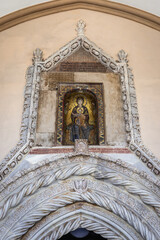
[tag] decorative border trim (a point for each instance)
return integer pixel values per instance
(108, 7)
(71, 149)
(31, 97)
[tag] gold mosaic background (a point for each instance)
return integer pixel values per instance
(90, 103)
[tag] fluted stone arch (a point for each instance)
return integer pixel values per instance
(78, 178)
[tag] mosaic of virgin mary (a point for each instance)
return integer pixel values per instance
(80, 119)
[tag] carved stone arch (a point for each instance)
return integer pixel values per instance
(51, 187)
(81, 215)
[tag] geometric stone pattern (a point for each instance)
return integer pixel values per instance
(31, 97)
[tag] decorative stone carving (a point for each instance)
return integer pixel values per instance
(81, 146)
(84, 215)
(37, 56)
(31, 97)
(80, 186)
(33, 182)
(81, 28)
(102, 194)
(91, 225)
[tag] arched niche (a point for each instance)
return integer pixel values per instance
(80, 117)
(93, 107)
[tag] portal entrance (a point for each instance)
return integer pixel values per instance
(82, 233)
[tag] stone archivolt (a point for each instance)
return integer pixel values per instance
(81, 215)
(54, 185)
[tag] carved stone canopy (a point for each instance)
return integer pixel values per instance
(31, 98)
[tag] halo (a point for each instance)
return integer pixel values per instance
(85, 99)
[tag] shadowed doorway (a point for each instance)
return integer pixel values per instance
(81, 233)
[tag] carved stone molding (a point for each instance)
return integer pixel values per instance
(82, 215)
(31, 181)
(81, 146)
(31, 97)
(58, 195)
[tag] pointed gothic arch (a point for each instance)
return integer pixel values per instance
(81, 215)
(87, 179)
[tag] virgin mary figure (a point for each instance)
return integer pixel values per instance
(80, 128)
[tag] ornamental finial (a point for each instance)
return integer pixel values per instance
(122, 56)
(37, 55)
(80, 28)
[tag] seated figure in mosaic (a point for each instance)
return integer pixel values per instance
(80, 128)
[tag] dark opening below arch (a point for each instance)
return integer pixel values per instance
(79, 233)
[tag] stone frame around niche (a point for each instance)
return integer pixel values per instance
(31, 99)
(97, 90)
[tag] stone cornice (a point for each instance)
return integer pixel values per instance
(104, 6)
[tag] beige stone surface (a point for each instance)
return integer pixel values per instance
(47, 112)
(49, 33)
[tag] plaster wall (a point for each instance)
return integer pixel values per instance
(51, 32)
(8, 6)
